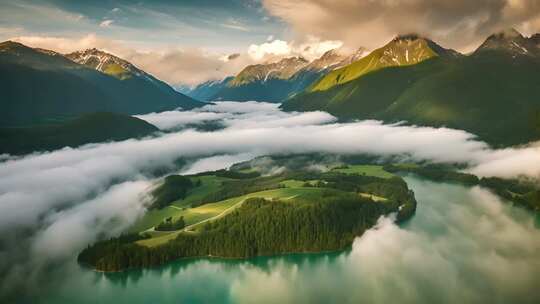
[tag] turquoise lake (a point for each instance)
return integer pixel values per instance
(463, 246)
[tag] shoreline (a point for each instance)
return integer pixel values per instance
(217, 258)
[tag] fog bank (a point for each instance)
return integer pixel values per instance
(53, 204)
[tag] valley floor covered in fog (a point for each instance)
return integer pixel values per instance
(54, 204)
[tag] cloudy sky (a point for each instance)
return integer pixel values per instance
(190, 41)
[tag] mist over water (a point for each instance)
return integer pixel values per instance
(463, 246)
(53, 204)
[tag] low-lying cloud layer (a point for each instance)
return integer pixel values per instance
(53, 204)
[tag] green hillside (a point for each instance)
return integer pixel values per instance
(40, 86)
(89, 128)
(402, 51)
(493, 93)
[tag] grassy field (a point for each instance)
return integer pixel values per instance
(152, 218)
(209, 184)
(371, 170)
(197, 216)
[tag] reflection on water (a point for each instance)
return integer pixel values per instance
(462, 246)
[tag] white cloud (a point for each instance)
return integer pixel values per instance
(314, 48)
(217, 162)
(275, 48)
(311, 49)
(235, 25)
(187, 66)
(110, 213)
(175, 119)
(68, 45)
(10, 30)
(106, 23)
(510, 162)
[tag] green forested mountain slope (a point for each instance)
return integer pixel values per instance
(42, 86)
(401, 51)
(89, 128)
(493, 93)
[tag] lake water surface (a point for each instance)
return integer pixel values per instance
(462, 246)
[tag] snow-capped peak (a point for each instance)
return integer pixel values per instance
(106, 63)
(510, 41)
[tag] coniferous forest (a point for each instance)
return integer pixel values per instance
(327, 221)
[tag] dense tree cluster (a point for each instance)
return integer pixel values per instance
(112, 247)
(521, 192)
(174, 187)
(258, 227)
(169, 224)
(237, 174)
(327, 222)
(437, 173)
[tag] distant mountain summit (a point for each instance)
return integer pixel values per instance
(511, 41)
(329, 60)
(207, 90)
(17, 53)
(106, 63)
(283, 69)
(43, 86)
(535, 39)
(127, 72)
(492, 93)
(358, 54)
(401, 51)
(274, 81)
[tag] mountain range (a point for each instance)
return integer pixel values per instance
(207, 90)
(493, 92)
(42, 86)
(273, 81)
